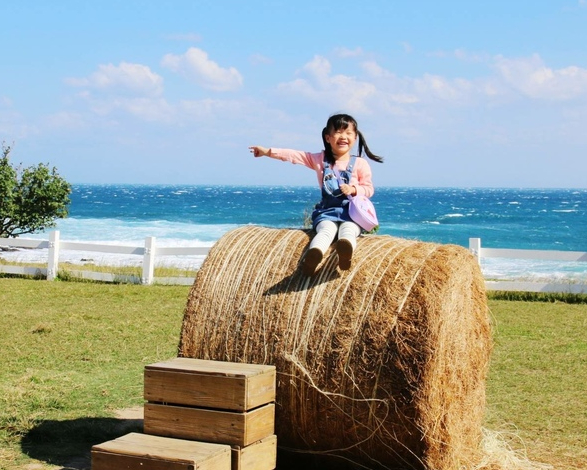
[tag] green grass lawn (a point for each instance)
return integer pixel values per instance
(537, 387)
(73, 353)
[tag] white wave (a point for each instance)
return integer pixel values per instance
(533, 270)
(131, 232)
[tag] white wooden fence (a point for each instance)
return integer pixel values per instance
(149, 251)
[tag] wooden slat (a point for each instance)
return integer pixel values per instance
(108, 461)
(261, 455)
(182, 250)
(210, 384)
(137, 451)
(187, 364)
(24, 243)
(118, 249)
(22, 270)
(223, 427)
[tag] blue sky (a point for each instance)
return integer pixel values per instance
(452, 93)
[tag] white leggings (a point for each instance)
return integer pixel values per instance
(327, 230)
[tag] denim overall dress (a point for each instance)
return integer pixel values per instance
(334, 205)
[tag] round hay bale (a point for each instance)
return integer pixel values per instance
(383, 365)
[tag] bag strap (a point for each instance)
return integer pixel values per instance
(351, 164)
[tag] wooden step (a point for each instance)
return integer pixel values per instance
(218, 426)
(210, 384)
(136, 451)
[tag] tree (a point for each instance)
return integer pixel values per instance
(31, 199)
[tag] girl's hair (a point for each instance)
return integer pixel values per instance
(339, 122)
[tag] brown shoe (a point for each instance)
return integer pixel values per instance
(344, 248)
(311, 261)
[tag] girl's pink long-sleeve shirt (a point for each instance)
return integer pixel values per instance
(361, 178)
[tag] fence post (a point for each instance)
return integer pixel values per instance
(475, 248)
(148, 261)
(53, 256)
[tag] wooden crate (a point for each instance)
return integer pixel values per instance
(210, 384)
(218, 426)
(137, 451)
(261, 455)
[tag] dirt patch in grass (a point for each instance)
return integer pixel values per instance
(135, 413)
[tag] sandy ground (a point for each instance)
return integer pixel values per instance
(131, 413)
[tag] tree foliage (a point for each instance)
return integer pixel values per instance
(31, 199)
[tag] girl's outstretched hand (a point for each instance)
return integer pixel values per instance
(259, 151)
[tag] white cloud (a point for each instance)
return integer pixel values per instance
(14, 126)
(408, 48)
(154, 110)
(191, 37)
(319, 68)
(125, 77)
(145, 109)
(438, 87)
(410, 90)
(344, 52)
(210, 109)
(196, 65)
(260, 59)
(398, 91)
(377, 89)
(65, 120)
(460, 54)
(338, 91)
(375, 70)
(531, 77)
(467, 56)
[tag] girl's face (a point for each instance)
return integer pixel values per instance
(342, 140)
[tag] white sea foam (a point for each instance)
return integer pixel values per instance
(533, 270)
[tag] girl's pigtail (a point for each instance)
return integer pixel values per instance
(328, 156)
(363, 146)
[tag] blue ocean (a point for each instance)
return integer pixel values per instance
(542, 219)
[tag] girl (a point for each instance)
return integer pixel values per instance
(339, 176)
